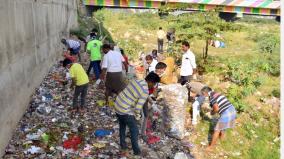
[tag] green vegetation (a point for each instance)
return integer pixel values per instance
(247, 71)
(87, 24)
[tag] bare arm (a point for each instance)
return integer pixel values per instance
(125, 66)
(73, 83)
(215, 108)
(103, 74)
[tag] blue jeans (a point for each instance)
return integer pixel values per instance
(130, 121)
(96, 67)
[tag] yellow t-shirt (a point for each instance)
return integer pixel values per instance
(78, 73)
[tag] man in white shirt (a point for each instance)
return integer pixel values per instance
(112, 71)
(161, 35)
(188, 64)
(151, 63)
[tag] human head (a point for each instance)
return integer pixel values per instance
(155, 53)
(160, 28)
(67, 63)
(152, 79)
(149, 59)
(64, 41)
(205, 91)
(160, 68)
(185, 46)
(93, 35)
(106, 48)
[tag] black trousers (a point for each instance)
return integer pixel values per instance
(80, 90)
(160, 45)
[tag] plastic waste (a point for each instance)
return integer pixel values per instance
(34, 150)
(101, 103)
(102, 133)
(153, 139)
(98, 81)
(181, 155)
(72, 143)
(99, 145)
(43, 109)
(45, 138)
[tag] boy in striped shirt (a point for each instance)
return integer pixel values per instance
(128, 106)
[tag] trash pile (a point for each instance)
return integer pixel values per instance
(49, 130)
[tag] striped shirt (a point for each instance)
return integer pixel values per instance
(131, 100)
(73, 44)
(222, 101)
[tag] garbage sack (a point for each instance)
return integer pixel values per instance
(102, 132)
(174, 98)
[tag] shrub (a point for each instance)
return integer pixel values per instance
(148, 20)
(269, 43)
(276, 93)
(79, 32)
(270, 65)
(234, 95)
(131, 48)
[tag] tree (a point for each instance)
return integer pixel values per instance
(202, 25)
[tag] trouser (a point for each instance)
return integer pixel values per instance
(80, 91)
(184, 79)
(130, 121)
(145, 118)
(96, 67)
(160, 45)
(196, 108)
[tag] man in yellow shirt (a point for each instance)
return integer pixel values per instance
(160, 36)
(80, 80)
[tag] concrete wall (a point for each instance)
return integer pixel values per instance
(30, 33)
